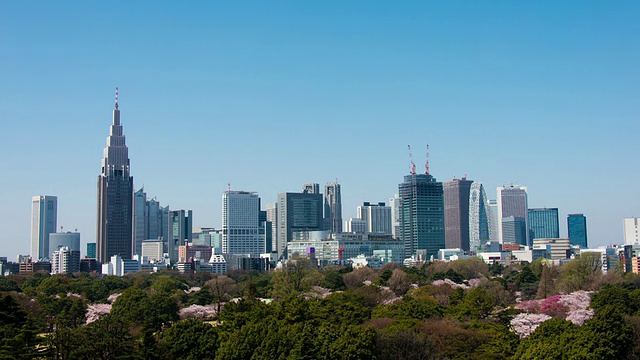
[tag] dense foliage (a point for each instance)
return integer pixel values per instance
(463, 309)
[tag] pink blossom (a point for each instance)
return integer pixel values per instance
(474, 283)
(525, 324)
(94, 311)
(317, 292)
(197, 312)
(579, 316)
(70, 294)
(577, 300)
(113, 297)
(193, 289)
(450, 283)
(531, 306)
(552, 306)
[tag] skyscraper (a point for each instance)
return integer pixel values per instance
(421, 214)
(311, 188)
(577, 230)
(242, 233)
(394, 203)
(333, 207)
(115, 197)
(44, 220)
(377, 217)
(149, 219)
(514, 230)
(180, 231)
(480, 217)
(272, 218)
(297, 212)
(456, 213)
(494, 220)
(543, 223)
(512, 201)
(631, 227)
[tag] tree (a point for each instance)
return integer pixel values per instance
(581, 273)
(357, 277)
(546, 286)
(333, 280)
(189, 339)
(222, 288)
(399, 282)
(477, 304)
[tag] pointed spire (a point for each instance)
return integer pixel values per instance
(116, 98)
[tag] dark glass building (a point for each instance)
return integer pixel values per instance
(514, 230)
(114, 235)
(421, 217)
(543, 223)
(577, 228)
(297, 212)
(456, 213)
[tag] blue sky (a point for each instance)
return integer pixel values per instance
(271, 95)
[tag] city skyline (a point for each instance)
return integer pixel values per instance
(545, 99)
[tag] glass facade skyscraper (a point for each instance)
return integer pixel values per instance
(114, 231)
(512, 201)
(421, 214)
(577, 229)
(44, 220)
(333, 207)
(543, 223)
(456, 213)
(480, 217)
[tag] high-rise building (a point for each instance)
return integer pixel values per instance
(480, 217)
(333, 207)
(241, 230)
(543, 223)
(456, 213)
(91, 250)
(311, 188)
(421, 215)
(394, 203)
(272, 218)
(44, 220)
(64, 239)
(494, 220)
(266, 228)
(356, 226)
(512, 201)
(181, 231)
(149, 219)
(115, 197)
(514, 230)
(65, 261)
(631, 231)
(297, 212)
(377, 217)
(577, 230)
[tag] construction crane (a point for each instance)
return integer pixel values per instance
(413, 165)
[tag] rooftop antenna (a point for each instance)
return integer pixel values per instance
(426, 166)
(229, 186)
(116, 98)
(413, 165)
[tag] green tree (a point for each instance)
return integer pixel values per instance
(477, 304)
(189, 339)
(333, 281)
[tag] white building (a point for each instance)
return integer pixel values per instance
(631, 231)
(44, 220)
(377, 217)
(65, 261)
(355, 225)
(218, 264)
(394, 204)
(153, 250)
(512, 201)
(558, 249)
(241, 231)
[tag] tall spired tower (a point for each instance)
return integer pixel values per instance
(115, 197)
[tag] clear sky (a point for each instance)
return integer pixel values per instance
(269, 95)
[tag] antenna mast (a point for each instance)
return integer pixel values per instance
(426, 166)
(413, 165)
(116, 98)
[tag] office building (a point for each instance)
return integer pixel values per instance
(493, 220)
(577, 230)
(333, 207)
(421, 215)
(377, 217)
(512, 201)
(356, 226)
(311, 188)
(65, 261)
(67, 239)
(480, 220)
(91, 250)
(297, 212)
(115, 197)
(150, 220)
(556, 249)
(543, 223)
(394, 204)
(152, 250)
(44, 220)
(514, 230)
(242, 233)
(456, 213)
(631, 231)
(181, 231)
(191, 252)
(266, 228)
(272, 218)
